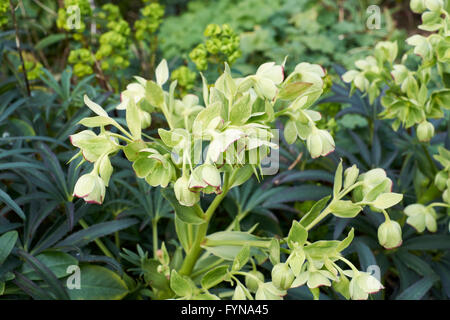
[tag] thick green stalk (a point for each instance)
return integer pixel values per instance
(194, 253)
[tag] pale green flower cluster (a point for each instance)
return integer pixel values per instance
(235, 123)
(408, 99)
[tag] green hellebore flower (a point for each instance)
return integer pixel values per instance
(362, 284)
(91, 188)
(417, 6)
(239, 293)
(387, 50)
(314, 278)
(425, 131)
(421, 217)
(157, 169)
(185, 196)
(422, 47)
(370, 180)
(441, 180)
(205, 178)
(93, 146)
(251, 283)
(282, 276)
(267, 77)
(136, 92)
(319, 143)
(390, 234)
(268, 291)
(434, 5)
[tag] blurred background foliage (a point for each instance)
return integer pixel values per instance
(43, 229)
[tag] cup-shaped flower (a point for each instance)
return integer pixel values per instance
(135, 92)
(157, 169)
(314, 278)
(251, 280)
(91, 188)
(282, 276)
(185, 196)
(390, 234)
(374, 183)
(320, 143)
(267, 77)
(434, 5)
(421, 217)
(268, 291)
(93, 146)
(363, 284)
(417, 6)
(425, 131)
(205, 178)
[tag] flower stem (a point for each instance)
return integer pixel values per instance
(99, 242)
(194, 253)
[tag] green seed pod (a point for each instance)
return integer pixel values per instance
(251, 283)
(282, 276)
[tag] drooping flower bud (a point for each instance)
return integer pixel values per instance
(425, 131)
(390, 234)
(434, 5)
(350, 176)
(282, 276)
(91, 188)
(185, 196)
(251, 283)
(205, 178)
(417, 6)
(320, 143)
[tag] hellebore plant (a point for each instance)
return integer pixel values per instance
(217, 146)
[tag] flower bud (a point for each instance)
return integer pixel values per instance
(434, 5)
(91, 188)
(205, 178)
(425, 131)
(390, 234)
(282, 276)
(446, 196)
(441, 180)
(185, 196)
(350, 176)
(417, 6)
(251, 283)
(320, 143)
